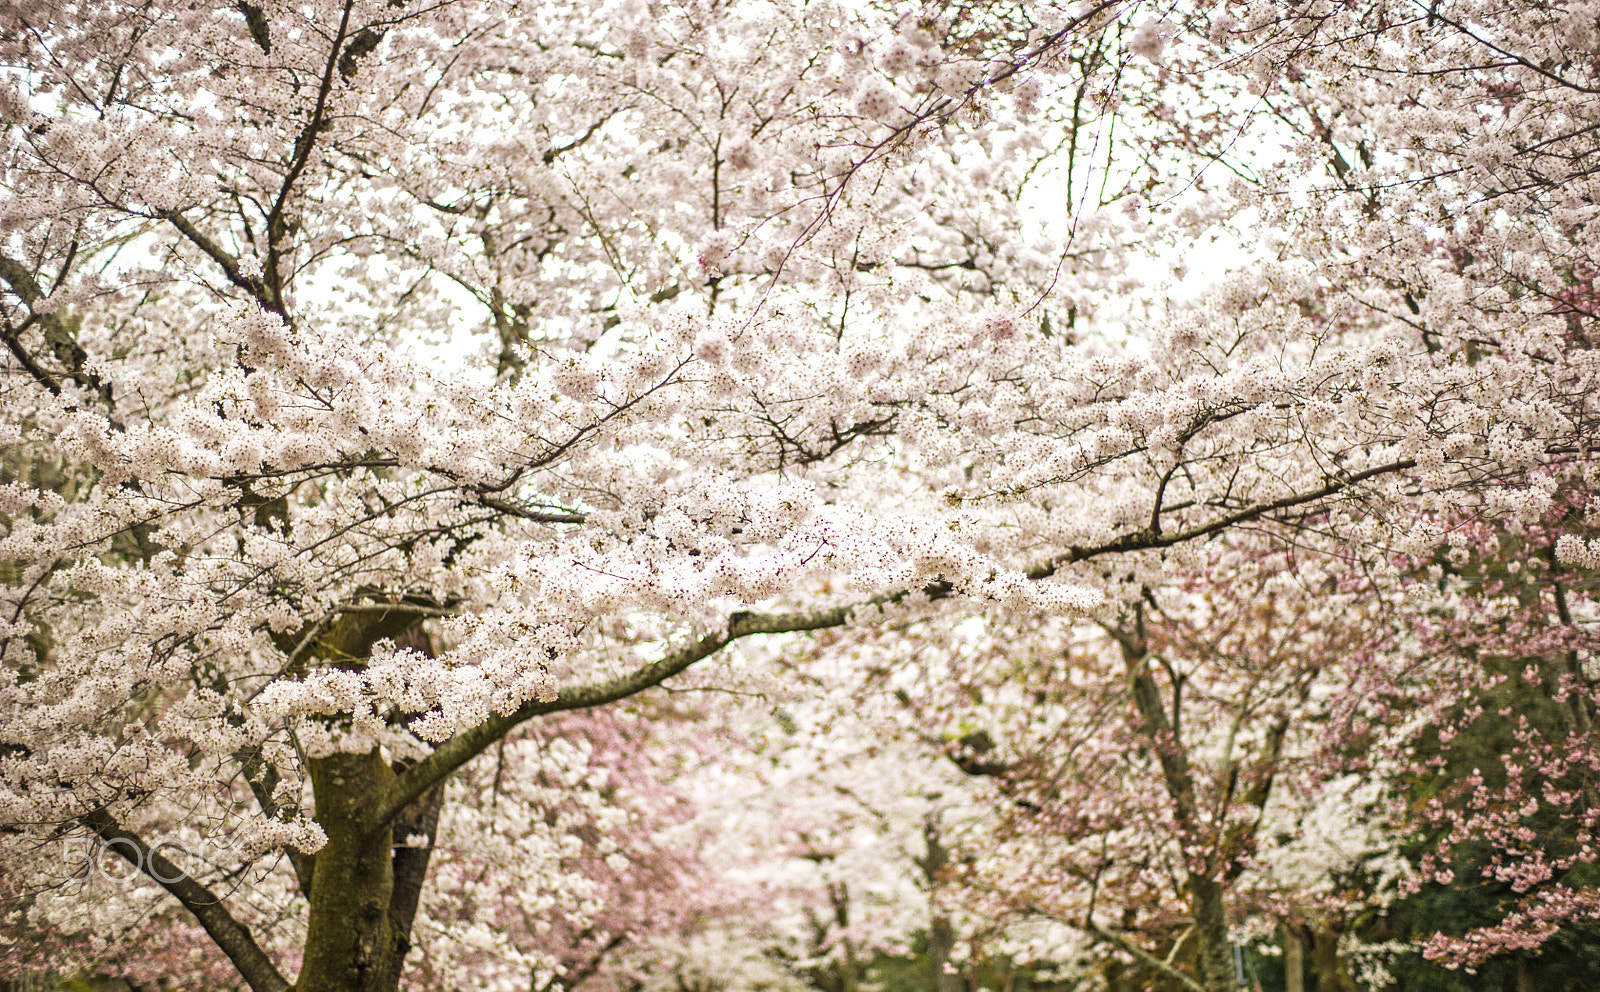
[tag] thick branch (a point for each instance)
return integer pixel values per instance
(33, 368)
(1141, 955)
(21, 281)
(468, 744)
(226, 932)
(1164, 742)
(1145, 540)
(511, 509)
(1121, 943)
(60, 333)
(229, 265)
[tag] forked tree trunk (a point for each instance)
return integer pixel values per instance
(1214, 948)
(364, 889)
(351, 942)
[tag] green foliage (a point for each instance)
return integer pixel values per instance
(1570, 960)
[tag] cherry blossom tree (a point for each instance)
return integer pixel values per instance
(250, 464)
(1504, 775)
(383, 376)
(1456, 150)
(1165, 786)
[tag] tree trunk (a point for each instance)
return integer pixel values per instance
(1332, 975)
(1121, 978)
(1524, 976)
(351, 943)
(364, 889)
(1294, 961)
(1214, 956)
(1215, 953)
(941, 936)
(846, 967)
(941, 941)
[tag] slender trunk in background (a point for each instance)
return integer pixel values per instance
(1215, 962)
(1332, 975)
(1524, 976)
(1294, 961)
(941, 936)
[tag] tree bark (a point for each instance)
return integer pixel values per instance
(1215, 954)
(845, 967)
(1524, 976)
(1207, 894)
(1332, 975)
(941, 935)
(1294, 961)
(418, 821)
(352, 945)
(941, 942)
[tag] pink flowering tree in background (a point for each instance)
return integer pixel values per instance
(586, 792)
(380, 377)
(1170, 785)
(1500, 792)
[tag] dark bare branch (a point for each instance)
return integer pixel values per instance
(228, 933)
